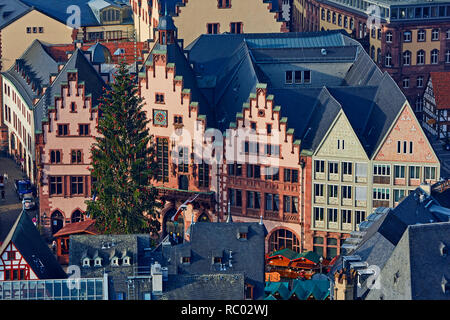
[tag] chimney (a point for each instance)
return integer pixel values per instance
(157, 278)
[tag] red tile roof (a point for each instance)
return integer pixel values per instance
(441, 89)
(87, 226)
(58, 51)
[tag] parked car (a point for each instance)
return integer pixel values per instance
(28, 201)
(23, 187)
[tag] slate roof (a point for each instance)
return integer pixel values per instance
(207, 238)
(7, 220)
(57, 9)
(204, 287)
(441, 88)
(11, 10)
(37, 64)
(32, 247)
(303, 289)
(86, 73)
(381, 239)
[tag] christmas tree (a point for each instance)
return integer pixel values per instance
(123, 162)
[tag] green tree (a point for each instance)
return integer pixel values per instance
(123, 162)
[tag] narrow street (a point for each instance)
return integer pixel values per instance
(12, 201)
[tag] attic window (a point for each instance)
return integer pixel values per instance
(126, 261)
(115, 262)
(217, 260)
(443, 249)
(242, 235)
(445, 285)
(185, 259)
(98, 262)
(86, 262)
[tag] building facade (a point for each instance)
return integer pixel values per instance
(66, 131)
(436, 105)
(194, 18)
(408, 40)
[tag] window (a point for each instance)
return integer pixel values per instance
(347, 168)
(360, 216)
(333, 167)
(419, 104)
(429, 173)
(159, 97)
(399, 172)
(389, 37)
(298, 76)
(283, 238)
(319, 166)
(435, 35)
(346, 216)
(224, 4)
(346, 192)
(272, 202)
(381, 170)
(55, 156)
(236, 27)
(183, 159)
(162, 156)
(76, 185)
(341, 144)
(41, 30)
(288, 77)
(419, 82)
(332, 215)
(334, 17)
(83, 129)
(269, 129)
(381, 194)
(235, 169)
(421, 35)
(318, 245)
(407, 36)
(318, 190)
(388, 60)
(447, 56)
(322, 14)
(318, 214)
(435, 56)
(447, 33)
(235, 197)
(253, 200)
(75, 156)
(405, 83)
(73, 107)
(34, 29)
(56, 186)
(406, 58)
(307, 76)
(328, 15)
(420, 57)
(212, 28)
(63, 129)
(290, 175)
(414, 172)
(272, 173)
(339, 20)
(411, 144)
(28, 29)
(398, 195)
(332, 191)
(178, 119)
(203, 175)
(345, 22)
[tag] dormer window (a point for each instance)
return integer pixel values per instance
(443, 249)
(115, 261)
(217, 260)
(86, 262)
(185, 259)
(98, 262)
(242, 233)
(126, 261)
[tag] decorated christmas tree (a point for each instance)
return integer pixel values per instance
(123, 162)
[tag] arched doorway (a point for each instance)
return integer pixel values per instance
(283, 238)
(175, 229)
(203, 218)
(77, 216)
(183, 182)
(57, 221)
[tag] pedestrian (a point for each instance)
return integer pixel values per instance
(54, 246)
(3, 195)
(5, 176)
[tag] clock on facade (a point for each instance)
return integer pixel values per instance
(160, 117)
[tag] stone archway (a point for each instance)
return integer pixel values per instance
(77, 216)
(57, 221)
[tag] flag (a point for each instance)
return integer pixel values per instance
(190, 200)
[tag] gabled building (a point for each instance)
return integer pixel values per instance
(200, 17)
(436, 105)
(66, 127)
(23, 85)
(24, 255)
